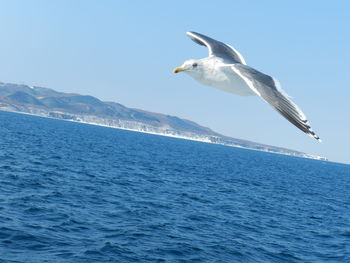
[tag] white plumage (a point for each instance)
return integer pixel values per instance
(226, 69)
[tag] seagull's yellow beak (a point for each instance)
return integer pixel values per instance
(178, 69)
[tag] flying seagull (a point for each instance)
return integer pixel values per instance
(226, 69)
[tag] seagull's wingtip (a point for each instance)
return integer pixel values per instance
(315, 137)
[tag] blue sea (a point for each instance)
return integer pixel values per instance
(72, 192)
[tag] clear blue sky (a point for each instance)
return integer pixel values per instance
(124, 51)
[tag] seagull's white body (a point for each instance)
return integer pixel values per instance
(219, 75)
(226, 69)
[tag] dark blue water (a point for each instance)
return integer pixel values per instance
(71, 192)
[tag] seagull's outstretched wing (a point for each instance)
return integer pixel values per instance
(217, 48)
(268, 88)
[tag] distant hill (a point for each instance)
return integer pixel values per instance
(88, 109)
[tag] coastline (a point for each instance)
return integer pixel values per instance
(198, 138)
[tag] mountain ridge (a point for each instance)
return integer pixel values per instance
(88, 109)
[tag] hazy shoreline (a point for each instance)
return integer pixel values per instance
(203, 139)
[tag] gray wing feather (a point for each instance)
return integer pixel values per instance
(267, 88)
(217, 48)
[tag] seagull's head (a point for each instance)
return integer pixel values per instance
(192, 67)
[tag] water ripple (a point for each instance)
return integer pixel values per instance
(78, 193)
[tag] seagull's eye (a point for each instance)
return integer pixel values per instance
(194, 65)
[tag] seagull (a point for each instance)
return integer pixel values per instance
(226, 69)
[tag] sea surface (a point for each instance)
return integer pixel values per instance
(72, 192)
